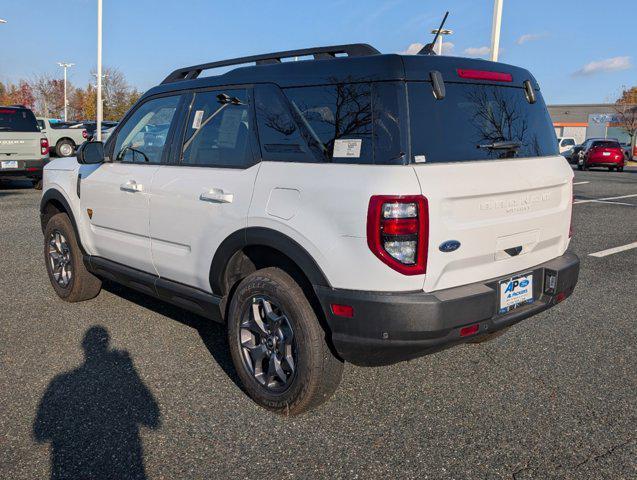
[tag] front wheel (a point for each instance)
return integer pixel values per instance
(277, 345)
(68, 275)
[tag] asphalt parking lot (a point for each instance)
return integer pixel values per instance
(555, 397)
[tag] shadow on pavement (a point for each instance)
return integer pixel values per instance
(212, 333)
(92, 414)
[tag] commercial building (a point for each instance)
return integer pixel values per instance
(587, 121)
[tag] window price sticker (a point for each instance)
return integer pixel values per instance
(349, 148)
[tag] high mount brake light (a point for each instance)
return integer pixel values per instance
(484, 75)
(398, 231)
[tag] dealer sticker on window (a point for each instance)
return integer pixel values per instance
(515, 292)
(349, 148)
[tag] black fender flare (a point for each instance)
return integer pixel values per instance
(53, 195)
(265, 237)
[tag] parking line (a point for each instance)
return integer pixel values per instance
(604, 199)
(610, 251)
(580, 183)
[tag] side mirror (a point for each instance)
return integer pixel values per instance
(90, 153)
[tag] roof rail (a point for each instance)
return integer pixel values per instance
(352, 50)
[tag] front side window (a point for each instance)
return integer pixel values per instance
(143, 137)
(217, 130)
(568, 142)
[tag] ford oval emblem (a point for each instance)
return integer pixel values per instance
(449, 246)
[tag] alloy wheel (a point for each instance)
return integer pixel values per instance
(60, 258)
(267, 344)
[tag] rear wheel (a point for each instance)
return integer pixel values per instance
(68, 275)
(64, 148)
(278, 346)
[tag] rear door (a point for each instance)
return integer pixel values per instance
(204, 196)
(115, 197)
(487, 161)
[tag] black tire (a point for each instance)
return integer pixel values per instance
(81, 285)
(37, 184)
(580, 167)
(620, 169)
(316, 372)
(62, 148)
(610, 169)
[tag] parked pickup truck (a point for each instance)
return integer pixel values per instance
(62, 138)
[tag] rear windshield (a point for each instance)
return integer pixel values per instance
(477, 122)
(17, 120)
(606, 144)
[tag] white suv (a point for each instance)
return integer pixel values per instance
(355, 207)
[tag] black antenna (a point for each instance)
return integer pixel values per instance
(429, 48)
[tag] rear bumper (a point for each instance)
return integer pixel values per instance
(390, 327)
(31, 169)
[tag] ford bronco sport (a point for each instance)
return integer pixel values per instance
(350, 207)
(23, 148)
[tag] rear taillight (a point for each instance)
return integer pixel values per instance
(44, 146)
(398, 231)
(84, 134)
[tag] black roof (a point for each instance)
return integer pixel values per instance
(362, 67)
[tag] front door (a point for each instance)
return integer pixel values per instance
(205, 195)
(115, 197)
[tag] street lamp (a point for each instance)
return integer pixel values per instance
(99, 71)
(438, 45)
(65, 66)
(495, 30)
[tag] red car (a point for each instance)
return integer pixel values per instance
(602, 153)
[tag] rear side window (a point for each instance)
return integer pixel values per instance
(339, 118)
(217, 130)
(477, 122)
(568, 142)
(17, 120)
(280, 135)
(340, 123)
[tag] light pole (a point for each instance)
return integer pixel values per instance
(438, 45)
(495, 30)
(65, 66)
(99, 71)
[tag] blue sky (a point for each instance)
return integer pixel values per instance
(580, 51)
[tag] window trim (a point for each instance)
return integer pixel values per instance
(112, 140)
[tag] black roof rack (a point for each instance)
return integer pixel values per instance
(352, 50)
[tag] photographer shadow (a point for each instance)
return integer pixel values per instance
(92, 415)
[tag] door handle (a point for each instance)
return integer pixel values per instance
(131, 186)
(216, 195)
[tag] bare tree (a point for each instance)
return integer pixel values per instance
(49, 95)
(626, 111)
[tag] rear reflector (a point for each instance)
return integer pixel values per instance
(346, 311)
(470, 330)
(484, 75)
(560, 297)
(32, 169)
(7, 111)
